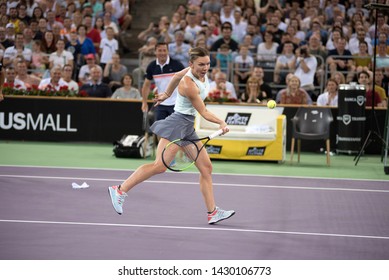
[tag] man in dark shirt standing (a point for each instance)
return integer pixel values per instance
(95, 87)
(161, 71)
(226, 30)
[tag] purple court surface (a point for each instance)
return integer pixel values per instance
(277, 218)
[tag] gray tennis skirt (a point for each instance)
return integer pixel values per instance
(175, 126)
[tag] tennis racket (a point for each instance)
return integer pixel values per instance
(181, 154)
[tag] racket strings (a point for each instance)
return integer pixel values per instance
(181, 154)
(190, 152)
(186, 153)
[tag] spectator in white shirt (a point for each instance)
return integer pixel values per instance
(330, 97)
(61, 56)
(67, 73)
(239, 26)
(11, 53)
(108, 46)
(221, 82)
(192, 28)
(227, 12)
(54, 82)
(84, 75)
(360, 36)
(121, 12)
(243, 65)
(305, 68)
(334, 38)
(267, 50)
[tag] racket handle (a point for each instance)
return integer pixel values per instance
(215, 134)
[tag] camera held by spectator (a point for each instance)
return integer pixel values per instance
(304, 52)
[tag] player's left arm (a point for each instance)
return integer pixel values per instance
(192, 93)
(177, 77)
(171, 86)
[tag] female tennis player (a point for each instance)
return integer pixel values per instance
(193, 87)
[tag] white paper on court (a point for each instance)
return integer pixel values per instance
(77, 186)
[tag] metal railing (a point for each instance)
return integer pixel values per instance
(347, 73)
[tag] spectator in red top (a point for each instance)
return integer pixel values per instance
(365, 79)
(92, 33)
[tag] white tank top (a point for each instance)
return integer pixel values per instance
(183, 105)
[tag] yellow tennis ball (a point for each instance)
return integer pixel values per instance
(271, 104)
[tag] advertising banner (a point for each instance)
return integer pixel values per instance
(68, 119)
(351, 118)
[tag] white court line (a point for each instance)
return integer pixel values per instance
(196, 183)
(213, 228)
(194, 172)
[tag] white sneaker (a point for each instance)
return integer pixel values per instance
(219, 215)
(117, 199)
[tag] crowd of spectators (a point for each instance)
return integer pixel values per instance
(317, 44)
(301, 49)
(70, 45)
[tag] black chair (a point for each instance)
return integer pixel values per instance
(311, 123)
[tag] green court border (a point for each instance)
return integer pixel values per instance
(95, 155)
